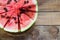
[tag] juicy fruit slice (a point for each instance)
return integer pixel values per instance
(17, 15)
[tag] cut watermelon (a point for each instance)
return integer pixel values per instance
(17, 15)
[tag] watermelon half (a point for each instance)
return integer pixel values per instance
(17, 15)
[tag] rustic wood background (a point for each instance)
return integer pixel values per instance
(49, 15)
(49, 12)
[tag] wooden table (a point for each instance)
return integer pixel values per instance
(49, 14)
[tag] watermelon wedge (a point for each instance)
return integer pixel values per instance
(17, 15)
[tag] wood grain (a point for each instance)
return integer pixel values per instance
(49, 5)
(48, 18)
(49, 12)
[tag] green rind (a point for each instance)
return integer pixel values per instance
(33, 20)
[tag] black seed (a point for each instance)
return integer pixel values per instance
(2, 16)
(23, 10)
(8, 17)
(14, 18)
(18, 15)
(5, 9)
(25, 2)
(15, 0)
(29, 7)
(8, 2)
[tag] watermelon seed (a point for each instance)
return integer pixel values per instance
(23, 10)
(14, 18)
(8, 17)
(29, 7)
(2, 16)
(9, 1)
(25, 2)
(15, 1)
(5, 9)
(18, 15)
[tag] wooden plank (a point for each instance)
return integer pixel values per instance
(48, 18)
(49, 5)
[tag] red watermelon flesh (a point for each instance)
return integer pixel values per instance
(16, 15)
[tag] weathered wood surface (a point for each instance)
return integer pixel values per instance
(49, 12)
(49, 5)
(48, 18)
